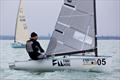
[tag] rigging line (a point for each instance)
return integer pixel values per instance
(77, 30)
(84, 12)
(86, 33)
(71, 22)
(70, 46)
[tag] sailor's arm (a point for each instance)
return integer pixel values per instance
(34, 46)
(41, 49)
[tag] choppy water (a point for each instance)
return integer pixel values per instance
(8, 54)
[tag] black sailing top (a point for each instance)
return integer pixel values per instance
(34, 46)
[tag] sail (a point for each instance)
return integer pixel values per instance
(21, 33)
(75, 28)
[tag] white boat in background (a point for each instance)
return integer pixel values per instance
(21, 31)
(73, 45)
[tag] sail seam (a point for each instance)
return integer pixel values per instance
(76, 30)
(66, 45)
(84, 12)
(70, 46)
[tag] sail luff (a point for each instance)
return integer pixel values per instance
(17, 20)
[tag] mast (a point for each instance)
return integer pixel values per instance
(95, 26)
(17, 21)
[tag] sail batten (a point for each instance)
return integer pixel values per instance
(63, 24)
(59, 31)
(76, 22)
(69, 5)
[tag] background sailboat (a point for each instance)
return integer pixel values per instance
(21, 31)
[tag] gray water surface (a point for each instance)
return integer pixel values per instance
(8, 54)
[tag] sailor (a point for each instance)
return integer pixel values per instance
(33, 47)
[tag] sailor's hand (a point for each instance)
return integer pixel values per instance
(83, 54)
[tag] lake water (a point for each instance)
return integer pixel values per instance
(8, 54)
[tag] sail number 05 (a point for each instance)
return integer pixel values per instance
(101, 61)
(98, 61)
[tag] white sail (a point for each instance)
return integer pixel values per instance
(75, 28)
(21, 33)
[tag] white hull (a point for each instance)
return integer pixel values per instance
(69, 63)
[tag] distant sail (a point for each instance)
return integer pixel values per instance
(75, 28)
(21, 33)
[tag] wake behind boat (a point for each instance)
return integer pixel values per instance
(21, 33)
(73, 39)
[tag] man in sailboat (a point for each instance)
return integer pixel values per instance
(33, 48)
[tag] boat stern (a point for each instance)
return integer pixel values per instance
(12, 65)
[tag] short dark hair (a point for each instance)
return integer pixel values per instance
(33, 34)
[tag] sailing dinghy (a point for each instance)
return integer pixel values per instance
(21, 33)
(74, 35)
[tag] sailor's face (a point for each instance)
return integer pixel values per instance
(35, 37)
